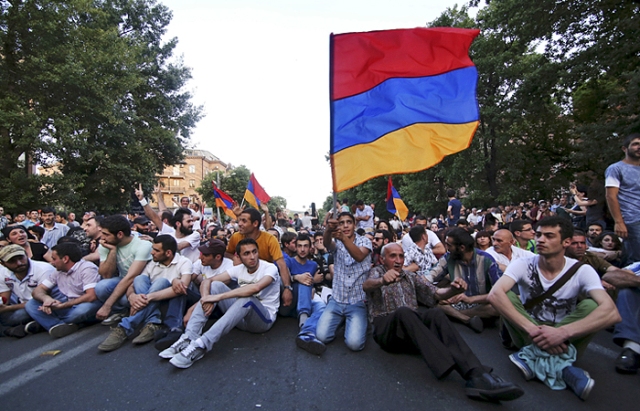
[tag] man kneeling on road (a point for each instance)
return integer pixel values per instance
(401, 326)
(67, 297)
(250, 307)
(162, 279)
(547, 322)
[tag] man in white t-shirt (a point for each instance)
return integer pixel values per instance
(503, 249)
(364, 216)
(250, 307)
(559, 325)
(181, 227)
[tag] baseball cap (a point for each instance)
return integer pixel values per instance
(214, 247)
(10, 251)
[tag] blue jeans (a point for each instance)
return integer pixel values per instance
(237, 313)
(149, 314)
(177, 306)
(77, 314)
(105, 288)
(632, 243)
(628, 303)
(310, 326)
(355, 316)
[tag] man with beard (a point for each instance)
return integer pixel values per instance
(141, 228)
(477, 268)
(545, 320)
(158, 281)
(52, 231)
(380, 239)
(122, 258)
(401, 326)
(19, 276)
(181, 227)
(93, 231)
(623, 196)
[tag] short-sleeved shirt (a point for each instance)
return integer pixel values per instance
(269, 297)
(456, 207)
(296, 268)
(626, 178)
(516, 253)
(367, 211)
(179, 266)
(73, 283)
(52, 235)
(191, 252)
(525, 272)
(208, 272)
(425, 259)
(348, 274)
(268, 247)
(37, 272)
(136, 250)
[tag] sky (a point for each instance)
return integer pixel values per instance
(261, 72)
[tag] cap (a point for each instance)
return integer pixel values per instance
(142, 220)
(214, 247)
(10, 251)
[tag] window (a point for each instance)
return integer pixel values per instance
(192, 169)
(176, 170)
(192, 183)
(176, 183)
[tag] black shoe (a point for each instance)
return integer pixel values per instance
(15, 332)
(490, 387)
(33, 327)
(476, 324)
(628, 362)
(168, 340)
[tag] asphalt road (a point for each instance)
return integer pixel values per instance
(268, 372)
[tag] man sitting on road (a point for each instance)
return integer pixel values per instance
(401, 326)
(418, 257)
(161, 278)
(503, 249)
(543, 321)
(67, 297)
(477, 268)
(19, 276)
(250, 307)
(122, 258)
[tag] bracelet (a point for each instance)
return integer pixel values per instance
(143, 202)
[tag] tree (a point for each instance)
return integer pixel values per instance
(233, 182)
(89, 89)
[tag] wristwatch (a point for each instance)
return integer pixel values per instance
(288, 287)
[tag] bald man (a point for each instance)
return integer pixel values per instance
(504, 251)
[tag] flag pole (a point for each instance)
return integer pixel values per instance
(331, 114)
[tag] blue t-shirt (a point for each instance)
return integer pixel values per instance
(296, 268)
(456, 206)
(627, 178)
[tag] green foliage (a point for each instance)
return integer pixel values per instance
(91, 89)
(233, 182)
(558, 90)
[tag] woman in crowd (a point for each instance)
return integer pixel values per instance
(384, 225)
(17, 234)
(483, 240)
(609, 246)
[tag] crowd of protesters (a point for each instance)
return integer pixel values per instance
(547, 274)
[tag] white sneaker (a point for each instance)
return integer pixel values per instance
(188, 356)
(182, 343)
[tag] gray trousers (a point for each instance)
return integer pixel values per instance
(238, 312)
